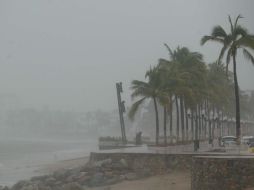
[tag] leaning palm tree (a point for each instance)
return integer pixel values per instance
(238, 38)
(147, 90)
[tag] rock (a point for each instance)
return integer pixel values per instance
(113, 180)
(131, 176)
(21, 184)
(123, 163)
(50, 181)
(102, 163)
(84, 180)
(145, 172)
(97, 179)
(109, 174)
(72, 186)
(60, 174)
(4, 187)
(39, 178)
(43, 187)
(69, 179)
(30, 187)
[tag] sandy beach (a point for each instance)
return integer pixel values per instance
(174, 181)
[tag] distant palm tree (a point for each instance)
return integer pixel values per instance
(147, 90)
(238, 38)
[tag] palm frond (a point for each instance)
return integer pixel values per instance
(218, 31)
(246, 41)
(169, 50)
(236, 20)
(248, 55)
(142, 91)
(210, 38)
(222, 52)
(134, 108)
(239, 30)
(162, 63)
(137, 83)
(231, 24)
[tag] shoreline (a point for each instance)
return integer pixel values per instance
(62, 165)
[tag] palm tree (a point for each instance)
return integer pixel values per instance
(238, 38)
(147, 90)
(187, 66)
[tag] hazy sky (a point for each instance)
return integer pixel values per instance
(68, 54)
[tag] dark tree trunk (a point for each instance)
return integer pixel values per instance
(157, 121)
(182, 118)
(205, 118)
(213, 119)
(209, 125)
(196, 124)
(165, 125)
(199, 122)
(218, 122)
(192, 124)
(177, 119)
(237, 101)
(187, 123)
(171, 120)
(222, 124)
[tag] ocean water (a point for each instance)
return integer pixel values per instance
(21, 158)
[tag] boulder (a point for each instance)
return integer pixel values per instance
(97, 179)
(102, 163)
(131, 176)
(72, 186)
(21, 184)
(123, 163)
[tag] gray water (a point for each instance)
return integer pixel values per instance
(21, 158)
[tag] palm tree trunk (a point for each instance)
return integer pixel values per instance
(165, 125)
(196, 125)
(187, 123)
(199, 122)
(177, 119)
(192, 124)
(222, 124)
(182, 118)
(213, 136)
(171, 120)
(209, 125)
(157, 121)
(205, 118)
(237, 101)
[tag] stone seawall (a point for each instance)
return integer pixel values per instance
(158, 163)
(222, 172)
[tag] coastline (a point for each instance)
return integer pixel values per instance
(62, 165)
(175, 180)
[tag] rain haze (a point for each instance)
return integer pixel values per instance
(61, 62)
(69, 54)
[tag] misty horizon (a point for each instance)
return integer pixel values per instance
(68, 55)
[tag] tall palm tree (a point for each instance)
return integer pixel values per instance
(147, 90)
(238, 38)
